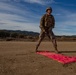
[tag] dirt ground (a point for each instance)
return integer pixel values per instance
(20, 58)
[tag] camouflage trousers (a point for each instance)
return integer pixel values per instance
(50, 35)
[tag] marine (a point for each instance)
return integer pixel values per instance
(47, 23)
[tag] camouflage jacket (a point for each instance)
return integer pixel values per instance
(47, 21)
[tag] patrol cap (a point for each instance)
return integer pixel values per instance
(49, 8)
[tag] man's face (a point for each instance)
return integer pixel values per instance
(49, 11)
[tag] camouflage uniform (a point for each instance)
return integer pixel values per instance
(47, 23)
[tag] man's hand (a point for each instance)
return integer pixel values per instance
(43, 30)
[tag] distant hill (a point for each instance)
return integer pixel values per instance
(27, 33)
(18, 34)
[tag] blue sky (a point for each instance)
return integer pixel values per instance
(26, 14)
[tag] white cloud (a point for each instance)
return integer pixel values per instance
(20, 26)
(34, 1)
(15, 18)
(42, 2)
(11, 8)
(65, 22)
(7, 21)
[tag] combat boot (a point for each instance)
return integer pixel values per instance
(56, 50)
(37, 47)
